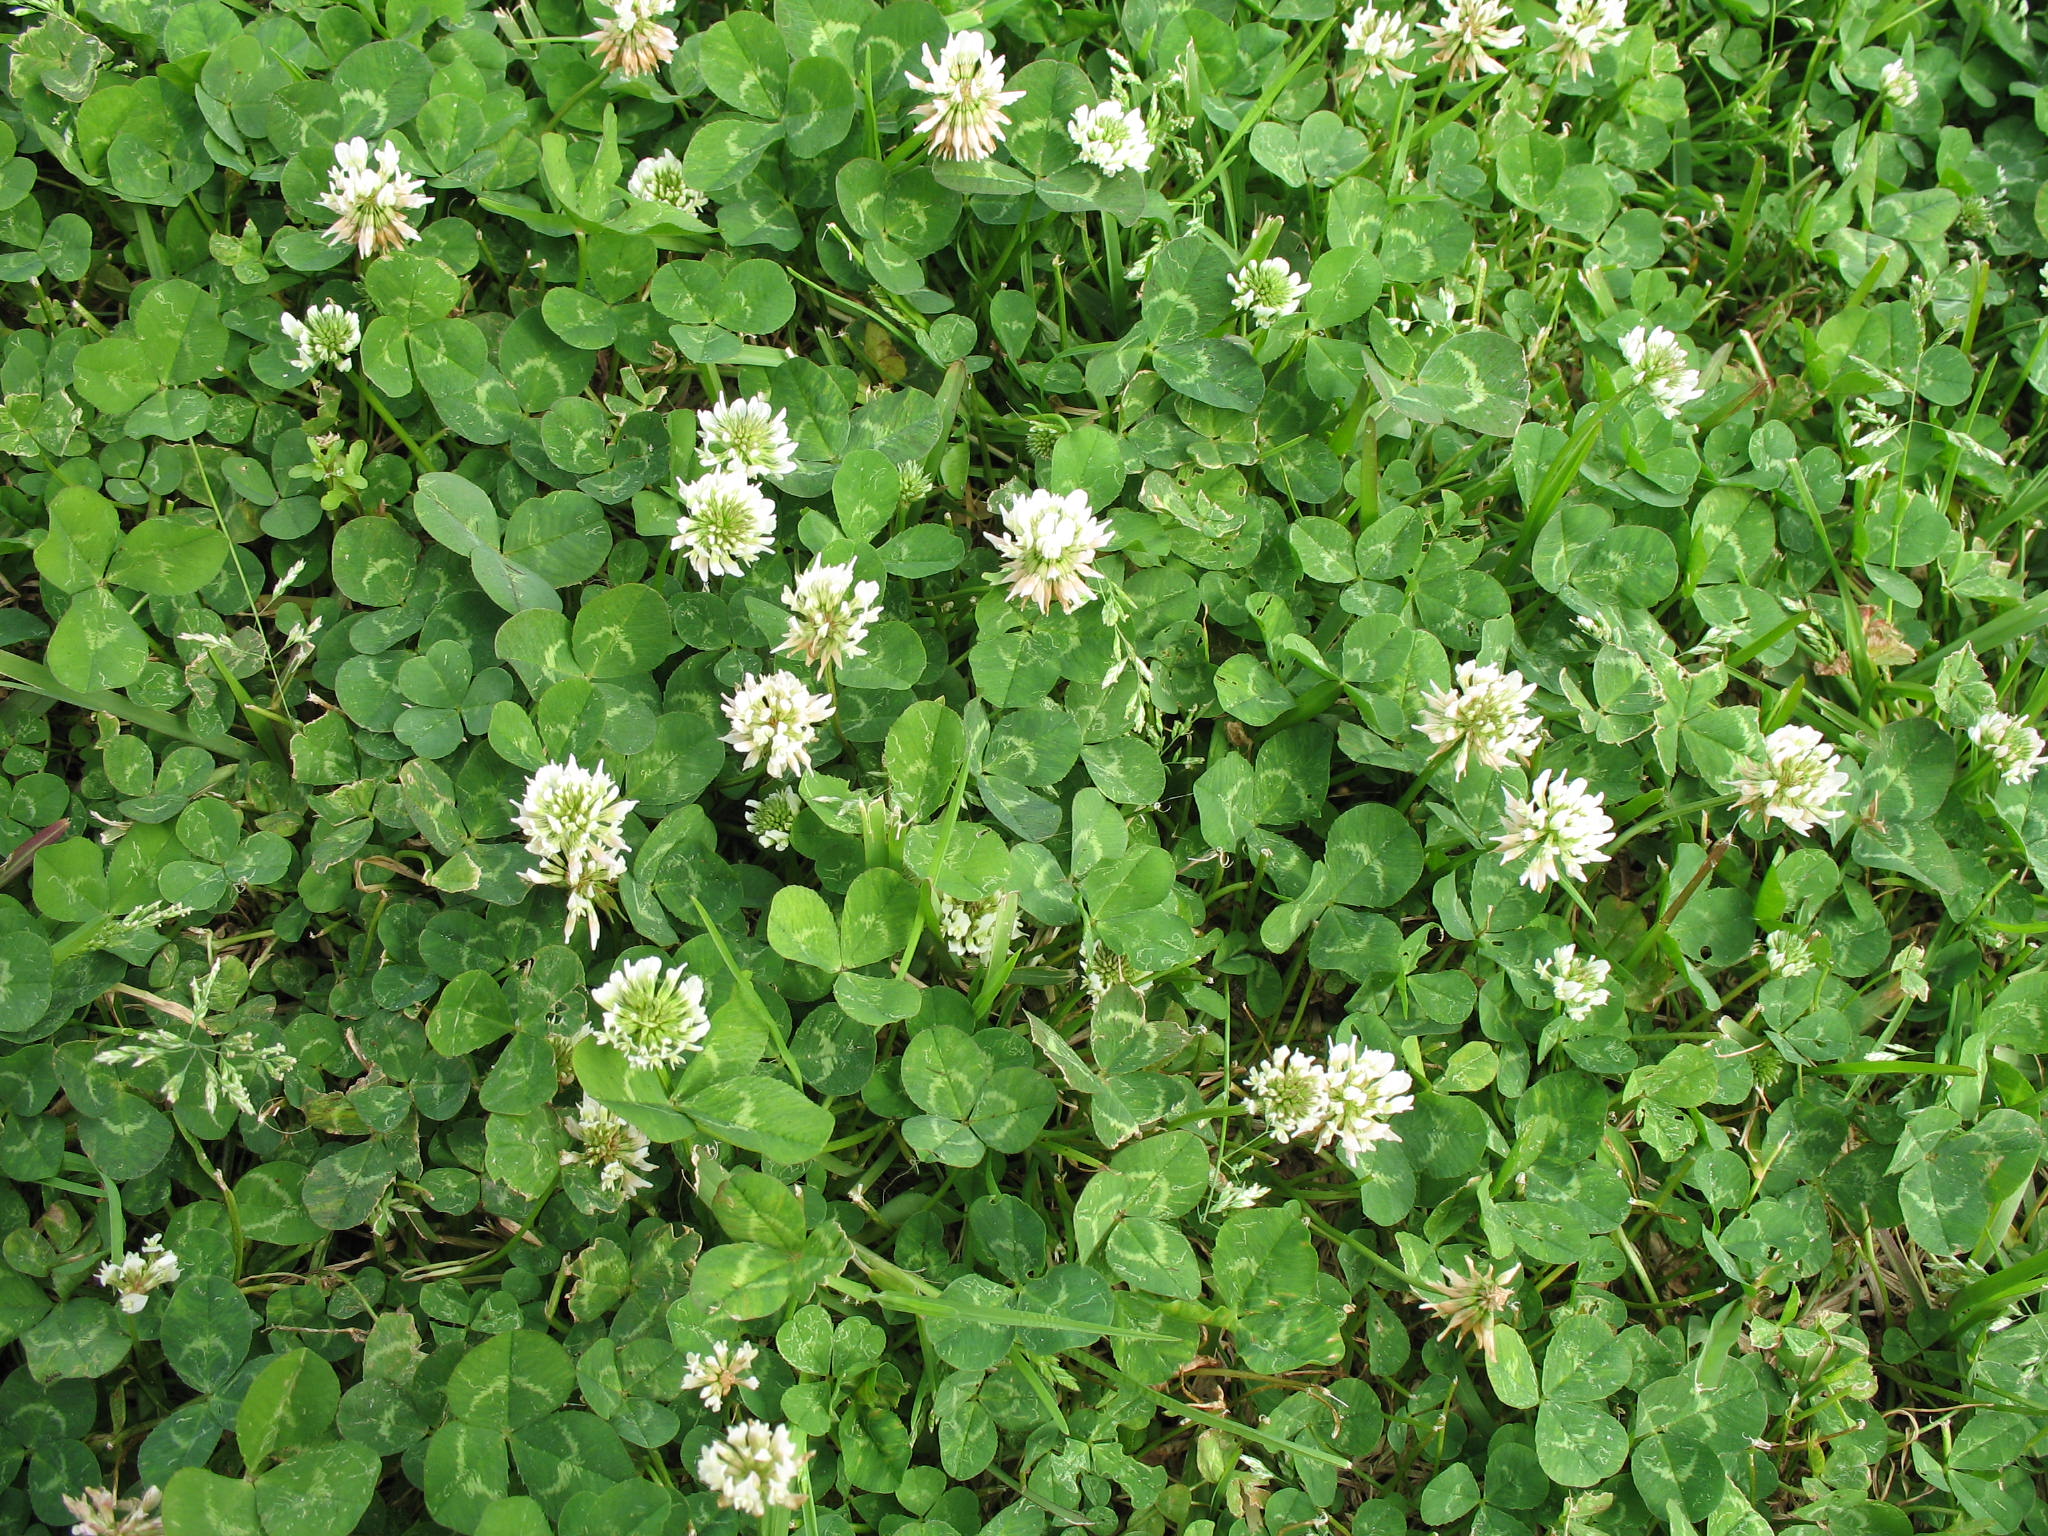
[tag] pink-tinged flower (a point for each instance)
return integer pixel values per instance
(965, 116)
(1470, 29)
(1472, 1304)
(634, 41)
(1050, 547)
(370, 202)
(829, 615)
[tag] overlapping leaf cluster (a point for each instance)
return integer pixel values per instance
(1460, 950)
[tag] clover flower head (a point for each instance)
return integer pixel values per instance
(137, 1274)
(774, 716)
(772, 818)
(1472, 1303)
(1898, 84)
(659, 179)
(1559, 829)
(1382, 40)
(1111, 137)
(1584, 28)
(1578, 982)
(1103, 968)
(746, 437)
(1367, 1088)
(1486, 717)
(720, 1372)
(1798, 782)
(1049, 548)
(99, 1513)
(654, 1017)
(573, 819)
(754, 1469)
(913, 485)
(1470, 29)
(614, 1147)
(965, 116)
(1267, 289)
(829, 615)
(1789, 954)
(971, 929)
(1657, 360)
(727, 523)
(327, 335)
(2013, 745)
(1290, 1091)
(633, 40)
(370, 202)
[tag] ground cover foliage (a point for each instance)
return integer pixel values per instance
(1381, 864)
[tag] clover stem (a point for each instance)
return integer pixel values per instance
(377, 404)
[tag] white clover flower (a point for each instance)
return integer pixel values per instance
(1898, 85)
(1577, 981)
(1559, 829)
(1111, 137)
(1050, 548)
(913, 485)
(137, 1274)
(1268, 289)
(1103, 968)
(772, 818)
(726, 524)
(327, 335)
(1788, 954)
(614, 1147)
(746, 437)
(2014, 746)
(1657, 358)
(632, 40)
(653, 1017)
(754, 1469)
(970, 928)
(829, 615)
(775, 716)
(1473, 1303)
(1469, 29)
(719, 1373)
(573, 820)
(1486, 717)
(1290, 1091)
(965, 116)
(1798, 781)
(1382, 40)
(370, 203)
(659, 179)
(99, 1513)
(1367, 1088)
(1584, 28)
